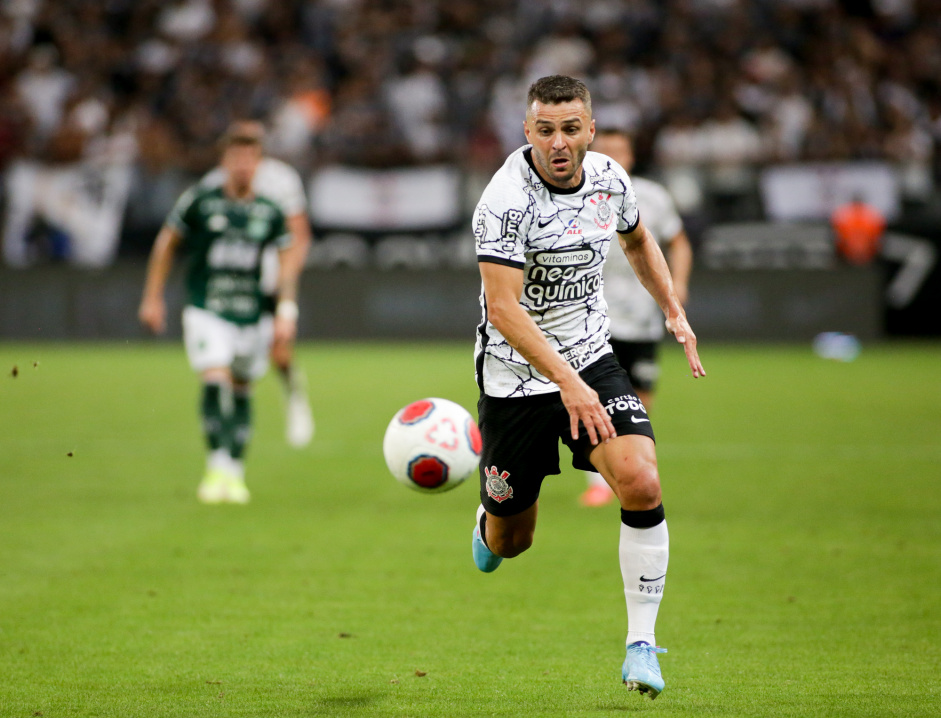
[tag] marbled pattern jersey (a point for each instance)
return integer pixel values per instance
(559, 238)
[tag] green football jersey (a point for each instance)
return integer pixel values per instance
(224, 238)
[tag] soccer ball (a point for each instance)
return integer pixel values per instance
(432, 445)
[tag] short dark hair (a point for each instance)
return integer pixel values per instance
(556, 89)
(244, 132)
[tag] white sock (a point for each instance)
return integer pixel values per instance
(237, 468)
(596, 479)
(293, 380)
(221, 459)
(644, 554)
(218, 459)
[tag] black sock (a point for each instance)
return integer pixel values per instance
(241, 424)
(213, 416)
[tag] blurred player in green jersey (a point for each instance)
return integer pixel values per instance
(225, 230)
(281, 183)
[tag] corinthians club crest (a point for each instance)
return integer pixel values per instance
(603, 212)
(497, 487)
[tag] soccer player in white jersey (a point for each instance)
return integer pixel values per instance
(636, 320)
(544, 367)
(281, 183)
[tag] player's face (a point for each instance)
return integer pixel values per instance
(240, 163)
(560, 135)
(615, 146)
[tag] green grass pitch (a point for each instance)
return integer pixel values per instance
(803, 495)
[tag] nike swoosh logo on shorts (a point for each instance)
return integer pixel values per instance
(638, 421)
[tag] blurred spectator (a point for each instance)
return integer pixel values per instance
(186, 20)
(507, 96)
(680, 150)
(76, 190)
(14, 125)
(858, 229)
(158, 181)
(562, 52)
(910, 146)
(713, 89)
(44, 88)
(733, 148)
(300, 115)
(791, 116)
(418, 100)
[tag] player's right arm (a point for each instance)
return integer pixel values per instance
(291, 264)
(296, 254)
(503, 287)
(153, 309)
(286, 188)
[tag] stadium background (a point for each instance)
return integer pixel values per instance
(761, 117)
(803, 493)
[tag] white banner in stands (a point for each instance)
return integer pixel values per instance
(812, 191)
(412, 199)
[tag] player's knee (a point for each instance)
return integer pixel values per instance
(216, 375)
(639, 487)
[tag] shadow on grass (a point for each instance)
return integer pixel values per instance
(345, 704)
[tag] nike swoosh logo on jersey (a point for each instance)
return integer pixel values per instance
(648, 580)
(546, 223)
(638, 421)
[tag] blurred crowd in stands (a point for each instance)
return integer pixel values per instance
(137, 92)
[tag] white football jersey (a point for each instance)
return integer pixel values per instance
(635, 315)
(559, 238)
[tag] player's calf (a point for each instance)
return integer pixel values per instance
(509, 536)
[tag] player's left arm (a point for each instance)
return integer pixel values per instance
(290, 266)
(294, 256)
(680, 259)
(651, 268)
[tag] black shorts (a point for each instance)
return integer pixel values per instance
(521, 436)
(639, 360)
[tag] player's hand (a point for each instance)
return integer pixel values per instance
(285, 329)
(281, 352)
(583, 405)
(153, 315)
(679, 327)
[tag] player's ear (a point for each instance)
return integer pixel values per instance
(526, 128)
(591, 132)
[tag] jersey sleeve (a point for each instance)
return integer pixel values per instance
(279, 182)
(501, 221)
(628, 216)
(291, 192)
(182, 216)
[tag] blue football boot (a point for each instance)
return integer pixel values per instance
(485, 559)
(641, 670)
